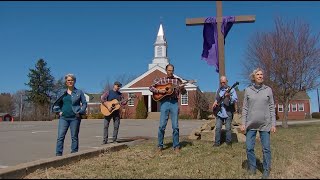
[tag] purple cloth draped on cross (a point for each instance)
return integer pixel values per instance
(210, 51)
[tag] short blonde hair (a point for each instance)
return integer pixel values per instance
(254, 72)
(70, 75)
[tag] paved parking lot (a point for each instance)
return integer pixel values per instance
(28, 141)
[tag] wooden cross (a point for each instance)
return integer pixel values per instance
(238, 19)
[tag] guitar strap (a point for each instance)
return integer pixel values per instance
(230, 107)
(218, 93)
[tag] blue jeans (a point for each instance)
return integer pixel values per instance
(265, 141)
(167, 106)
(116, 123)
(218, 130)
(62, 131)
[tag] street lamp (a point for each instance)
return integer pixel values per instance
(318, 99)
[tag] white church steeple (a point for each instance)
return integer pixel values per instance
(160, 50)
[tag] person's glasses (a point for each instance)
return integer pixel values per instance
(70, 80)
(223, 82)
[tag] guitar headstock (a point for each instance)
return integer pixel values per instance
(235, 84)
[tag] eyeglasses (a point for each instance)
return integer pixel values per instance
(223, 82)
(70, 80)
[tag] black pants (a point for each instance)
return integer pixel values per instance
(116, 123)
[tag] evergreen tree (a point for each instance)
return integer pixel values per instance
(141, 111)
(59, 87)
(41, 83)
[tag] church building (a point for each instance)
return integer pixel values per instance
(140, 87)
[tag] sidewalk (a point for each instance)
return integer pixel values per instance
(290, 122)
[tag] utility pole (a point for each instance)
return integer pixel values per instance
(20, 107)
(318, 99)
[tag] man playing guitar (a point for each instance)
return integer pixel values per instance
(169, 104)
(226, 111)
(109, 96)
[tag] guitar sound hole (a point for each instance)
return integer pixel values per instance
(113, 105)
(167, 88)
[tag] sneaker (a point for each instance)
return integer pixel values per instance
(216, 145)
(104, 143)
(265, 174)
(114, 142)
(159, 151)
(251, 171)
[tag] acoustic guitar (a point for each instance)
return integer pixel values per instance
(170, 88)
(108, 107)
(217, 108)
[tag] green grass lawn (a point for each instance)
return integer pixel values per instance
(295, 154)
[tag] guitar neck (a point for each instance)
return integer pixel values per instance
(223, 97)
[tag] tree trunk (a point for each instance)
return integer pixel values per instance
(198, 114)
(285, 117)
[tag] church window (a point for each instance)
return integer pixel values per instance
(131, 101)
(184, 99)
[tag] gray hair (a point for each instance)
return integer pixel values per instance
(70, 75)
(254, 72)
(223, 77)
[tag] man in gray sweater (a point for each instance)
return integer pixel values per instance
(258, 114)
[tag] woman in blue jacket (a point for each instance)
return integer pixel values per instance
(70, 105)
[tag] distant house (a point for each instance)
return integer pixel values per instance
(299, 106)
(5, 117)
(93, 100)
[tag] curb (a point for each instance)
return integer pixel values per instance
(21, 170)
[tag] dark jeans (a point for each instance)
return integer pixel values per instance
(219, 122)
(62, 131)
(250, 143)
(116, 123)
(166, 107)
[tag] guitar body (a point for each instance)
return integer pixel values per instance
(216, 110)
(169, 90)
(218, 107)
(109, 107)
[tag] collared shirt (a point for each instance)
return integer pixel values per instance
(111, 95)
(233, 99)
(165, 80)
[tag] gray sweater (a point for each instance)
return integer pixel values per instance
(258, 111)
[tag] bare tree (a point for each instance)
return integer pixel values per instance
(289, 56)
(19, 103)
(123, 78)
(200, 102)
(6, 103)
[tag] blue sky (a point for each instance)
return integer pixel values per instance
(98, 41)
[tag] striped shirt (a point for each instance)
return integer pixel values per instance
(165, 80)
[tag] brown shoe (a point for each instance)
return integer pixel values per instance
(159, 151)
(177, 150)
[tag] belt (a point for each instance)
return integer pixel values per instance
(171, 98)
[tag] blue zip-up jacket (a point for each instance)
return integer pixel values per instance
(79, 103)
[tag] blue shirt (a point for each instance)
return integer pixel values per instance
(111, 95)
(233, 99)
